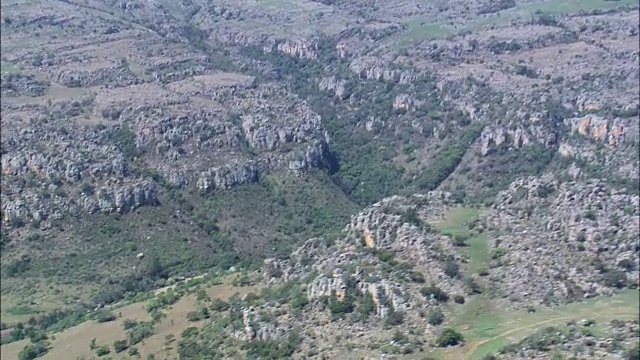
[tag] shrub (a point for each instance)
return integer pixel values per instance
(633, 354)
(33, 351)
(411, 217)
(120, 346)
(103, 350)
(299, 301)
(105, 316)
(449, 337)
(341, 307)
(367, 305)
(615, 278)
(434, 292)
(451, 269)
(436, 317)
(133, 351)
(394, 318)
(416, 277)
(458, 299)
(473, 287)
(460, 240)
(219, 305)
(199, 314)
(140, 332)
(128, 324)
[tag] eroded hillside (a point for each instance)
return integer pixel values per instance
(144, 141)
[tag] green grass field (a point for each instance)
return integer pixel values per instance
(425, 29)
(488, 328)
(488, 332)
(457, 223)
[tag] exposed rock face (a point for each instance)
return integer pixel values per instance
(373, 69)
(241, 131)
(21, 85)
(118, 76)
(123, 199)
(595, 127)
(587, 248)
(255, 330)
(113, 198)
(227, 177)
(350, 264)
(493, 137)
(332, 84)
(298, 48)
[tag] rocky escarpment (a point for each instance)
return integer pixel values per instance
(557, 242)
(13, 85)
(114, 76)
(40, 183)
(227, 177)
(610, 131)
(246, 131)
(352, 267)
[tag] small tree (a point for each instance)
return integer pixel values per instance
(219, 305)
(128, 324)
(103, 350)
(32, 351)
(367, 305)
(473, 286)
(394, 318)
(449, 337)
(451, 269)
(299, 300)
(615, 278)
(120, 346)
(434, 292)
(436, 317)
(105, 316)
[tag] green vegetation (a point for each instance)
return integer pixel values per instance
(103, 350)
(489, 327)
(273, 349)
(435, 317)
(233, 228)
(120, 346)
(420, 30)
(446, 161)
(434, 292)
(458, 224)
(449, 337)
(104, 316)
(33, 351)
(7, 67)
(139, 332)
(125, 140)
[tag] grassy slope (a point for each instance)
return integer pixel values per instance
(487, 328)
(421, 29)
(456, 223)
(488, 332)
(74, 342)
(248, 223)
